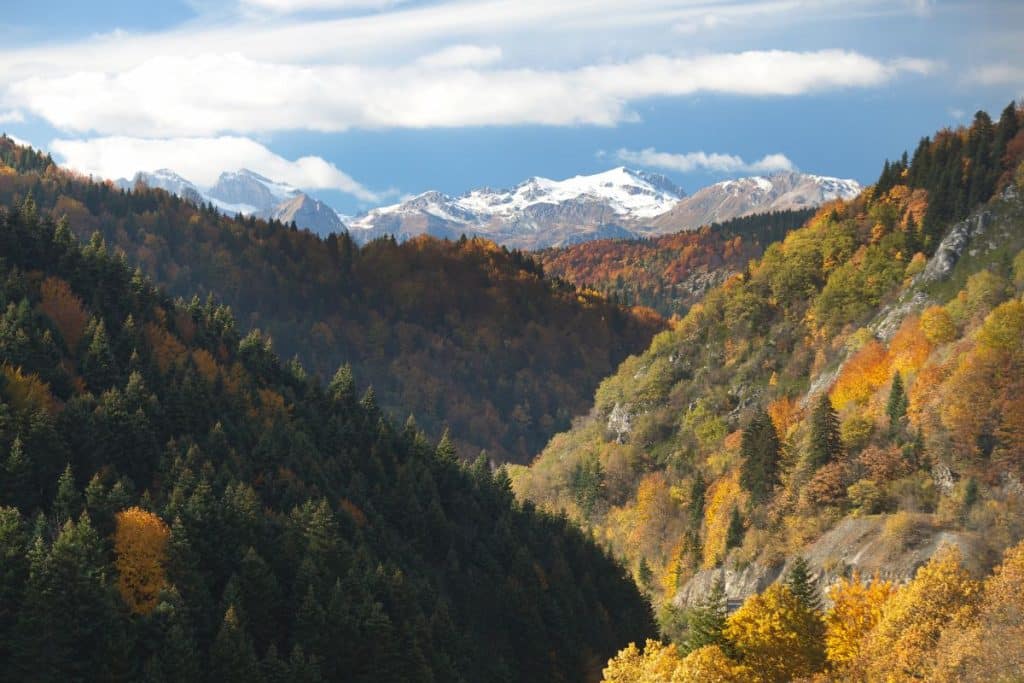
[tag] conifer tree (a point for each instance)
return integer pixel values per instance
(232, 658)
(707, 620)
(802, 584)
(896, 406)
(759, 472)
(734, 534)
(826, 444)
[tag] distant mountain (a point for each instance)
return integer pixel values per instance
(758, 194)
(309, 213)
(165, 179)
(537, 213)
(250, 194)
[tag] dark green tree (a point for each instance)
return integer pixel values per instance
(232, 658)
(826, 444)
(706, 620)
(803, 584)
(759, 472)
(896, 406)
(734, 534)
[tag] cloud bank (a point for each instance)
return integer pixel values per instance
(201, 160)
(703, 161)
(215, 93)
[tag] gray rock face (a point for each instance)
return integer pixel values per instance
(860, 544)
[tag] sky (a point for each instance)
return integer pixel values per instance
(363, 102)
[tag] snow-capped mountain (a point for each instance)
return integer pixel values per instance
(165, 179)
(250, 194)
(537, 213)
(757, 194)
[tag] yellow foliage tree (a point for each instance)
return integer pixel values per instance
(778, 638)
(902, 646)
(724, 495)
(937, 325)
(909, 348)
(140, 546)
(657, 663)
(856, 610)
(991, 648)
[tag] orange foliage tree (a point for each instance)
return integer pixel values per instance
(140, 545)
(59, 303)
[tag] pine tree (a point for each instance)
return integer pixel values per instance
(68, 502)
(343, 386)
(232, 658)
(707, 620)
(759, 472)
(802, 584)
(734, 534)
(446, 449)
(896, 407)
(826, 445)
(16, 487)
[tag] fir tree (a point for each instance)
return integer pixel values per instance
(734, 534)
(232, 658)
(760, 447)
(896, 407)
(707, 620)
(802, 584)
(826, 445)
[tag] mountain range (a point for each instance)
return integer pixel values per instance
(537, 213)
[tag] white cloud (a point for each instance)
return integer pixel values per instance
(458, 56)
(201, 160)
(293, 6)
(704, 161)
(13, 116)
(998, 74)
(215, 93)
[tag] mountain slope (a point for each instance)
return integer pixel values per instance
(669, 273)
(744, 196)
(177, 505)
(462, 334)
(771, 411)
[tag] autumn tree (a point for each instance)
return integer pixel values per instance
(942, 595)
(856, 609)
(140, 545)
(777, 636)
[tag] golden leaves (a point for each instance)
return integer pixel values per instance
(140, 545)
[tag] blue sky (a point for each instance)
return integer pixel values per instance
(364, 101)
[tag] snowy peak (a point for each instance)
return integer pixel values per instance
(626, 192)
(537, 212)
(246, 189)
(164, 179)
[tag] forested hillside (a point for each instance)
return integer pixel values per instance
(864, 373)
(461, 334)
(178, 505)
(672, 272)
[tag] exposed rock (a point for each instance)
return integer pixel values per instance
(618, 422)
(856, 543)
